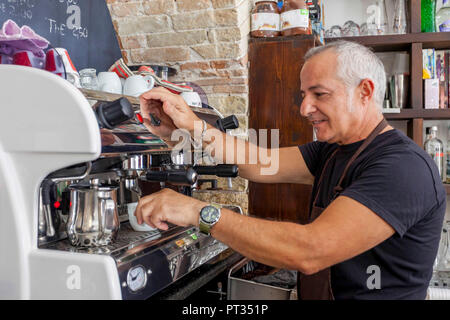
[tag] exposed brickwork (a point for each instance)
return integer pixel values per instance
(205, 40)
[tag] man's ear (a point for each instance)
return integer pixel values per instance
(367, 90)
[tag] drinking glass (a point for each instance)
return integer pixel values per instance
(377, 21)
(400, 24)
(363, 30)
(88, 79)
(350, 29)
(334, 32)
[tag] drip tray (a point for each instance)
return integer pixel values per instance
(128, 240)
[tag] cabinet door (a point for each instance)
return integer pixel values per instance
(275, 101)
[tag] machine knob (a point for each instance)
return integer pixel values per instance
(227, 123)
(112, 114)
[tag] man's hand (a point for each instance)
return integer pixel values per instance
(168, 206)
(170, 108)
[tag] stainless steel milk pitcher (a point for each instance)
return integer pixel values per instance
(93, 216)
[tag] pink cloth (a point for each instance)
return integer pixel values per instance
(13, 39)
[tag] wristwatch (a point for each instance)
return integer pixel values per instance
(209, 216)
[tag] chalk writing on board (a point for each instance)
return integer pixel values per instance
(83, 27)
(18, 8)
(72, 25)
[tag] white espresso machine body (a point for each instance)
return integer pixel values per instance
(41, 114)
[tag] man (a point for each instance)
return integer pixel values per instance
(378, 201)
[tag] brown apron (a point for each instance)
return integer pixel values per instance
(318, 285)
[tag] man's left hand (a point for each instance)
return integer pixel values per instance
(168, 206)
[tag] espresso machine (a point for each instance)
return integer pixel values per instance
(72, 173)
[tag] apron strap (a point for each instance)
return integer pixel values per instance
(380, 127)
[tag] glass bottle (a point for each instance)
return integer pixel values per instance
(443, 16)
(428, 16)
(441, 256)
(448, 157)
(400, 24)
(435, 148)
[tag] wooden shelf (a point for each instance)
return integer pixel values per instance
(400, 42)
(426, 114)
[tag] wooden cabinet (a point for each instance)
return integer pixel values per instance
(275, 99)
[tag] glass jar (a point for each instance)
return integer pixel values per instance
(88, 79)
(265, 20)
(295, 18)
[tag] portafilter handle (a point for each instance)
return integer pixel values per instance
(180, 177)
(221, 170)
(111, 114)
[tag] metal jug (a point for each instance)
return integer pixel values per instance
(93, 216)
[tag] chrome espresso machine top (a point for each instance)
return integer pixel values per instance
(72, 175)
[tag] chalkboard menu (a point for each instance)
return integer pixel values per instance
(83, 27)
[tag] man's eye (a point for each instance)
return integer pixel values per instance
(320, 94)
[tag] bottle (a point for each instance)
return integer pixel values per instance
(443, 15)
(295, 18)
(435, 148)
(265, 20)
(400, 25)
(428, 15)
(448, 157)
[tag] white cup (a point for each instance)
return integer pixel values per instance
(192, 99)
(133, 220)
(137, 85)
(109, 82)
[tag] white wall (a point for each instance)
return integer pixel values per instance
(337, 12)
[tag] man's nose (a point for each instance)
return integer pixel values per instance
(307, 107)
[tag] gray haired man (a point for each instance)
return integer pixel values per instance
(377, 204)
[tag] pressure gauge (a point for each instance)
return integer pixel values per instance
(136, 278)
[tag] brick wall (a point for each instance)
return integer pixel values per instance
(205, 40)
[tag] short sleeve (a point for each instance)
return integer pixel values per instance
(399, 187)
(312, 155)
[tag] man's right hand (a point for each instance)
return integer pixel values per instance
(170, 108)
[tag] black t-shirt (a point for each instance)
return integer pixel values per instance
(399, 182)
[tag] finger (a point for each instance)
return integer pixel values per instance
(139, 212)
(148, 125)
(147, 213)
(149, 103)
(157, 94)
(150, 224)
(158, 220)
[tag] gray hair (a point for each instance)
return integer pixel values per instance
(356, 63)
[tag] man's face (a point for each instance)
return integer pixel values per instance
(326, 101)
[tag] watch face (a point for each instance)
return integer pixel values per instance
(210, 214)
